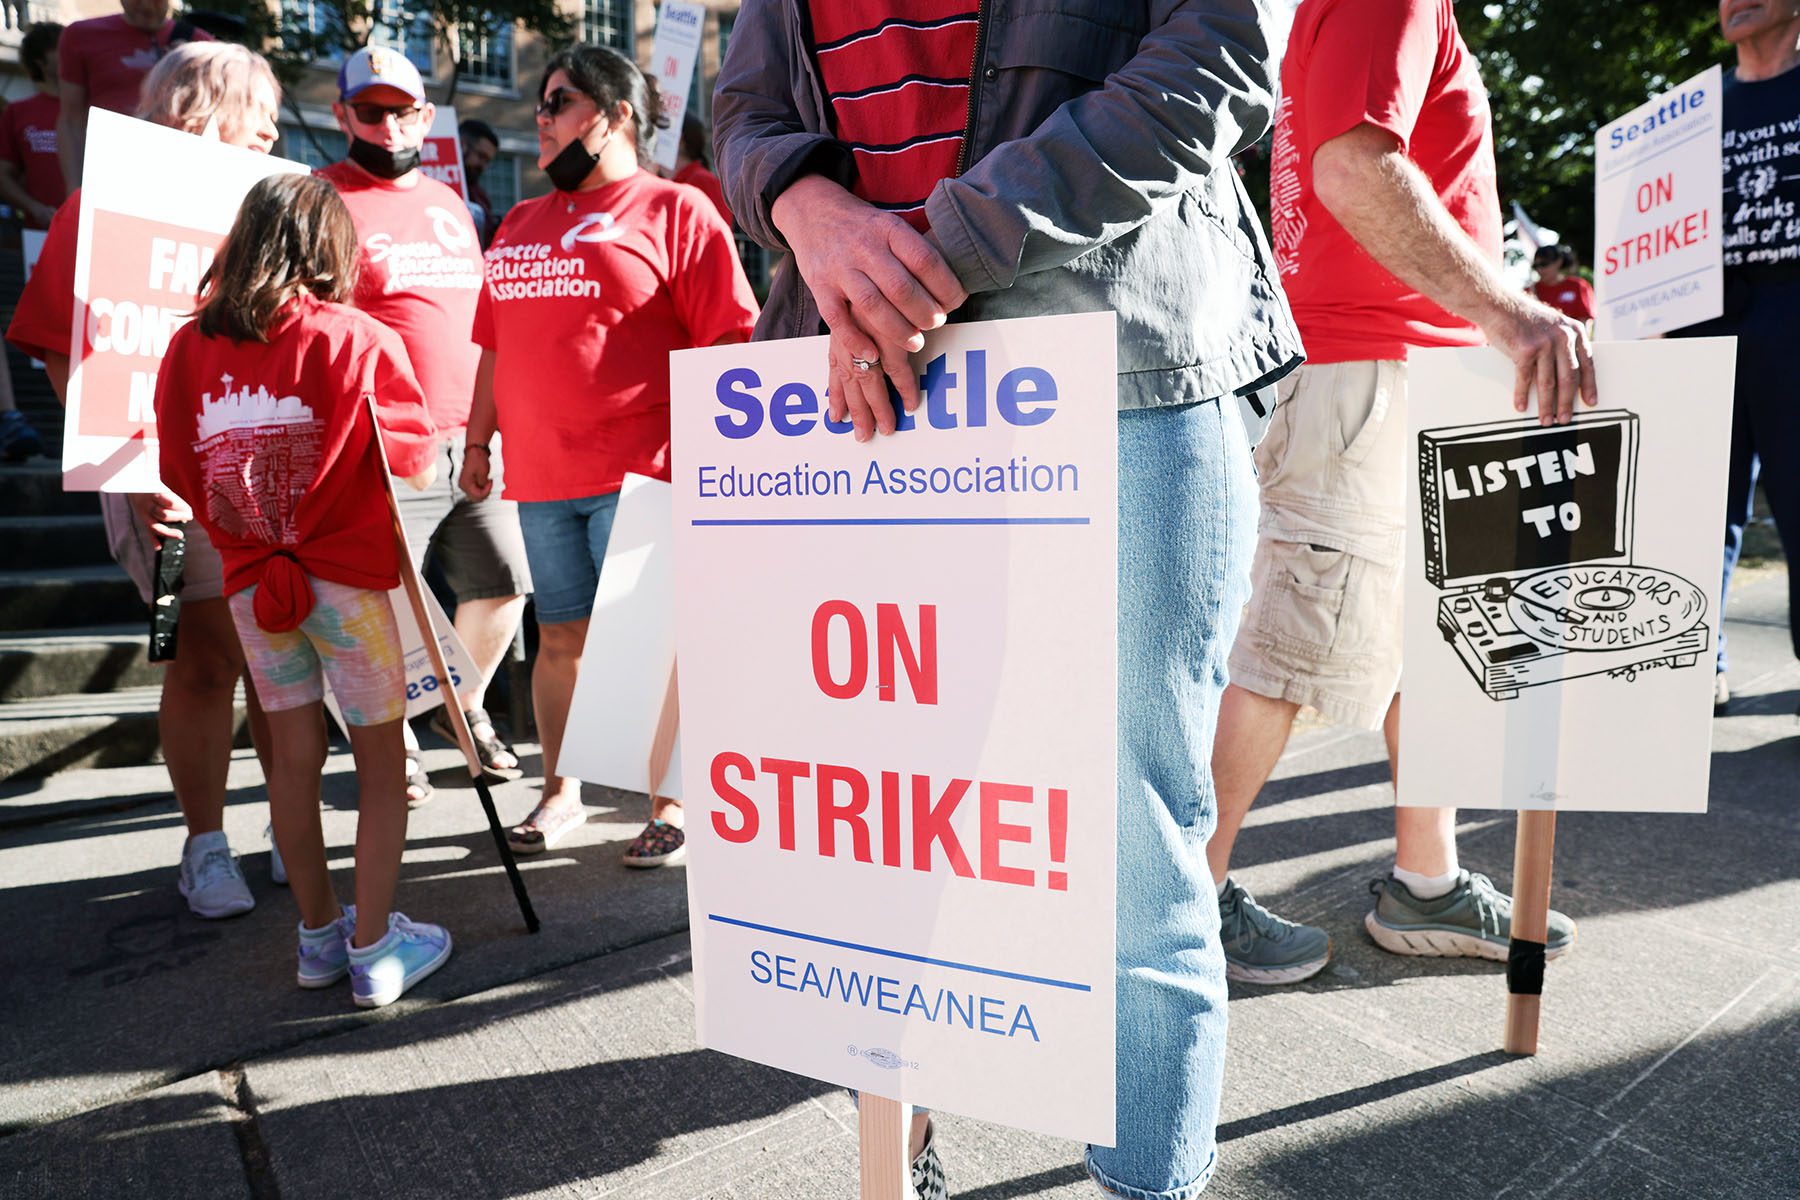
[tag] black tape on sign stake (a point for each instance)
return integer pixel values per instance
(1525, 967)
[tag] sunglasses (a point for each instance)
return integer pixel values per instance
(375, 114)
(551, 106)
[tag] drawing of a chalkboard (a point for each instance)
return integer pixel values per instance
(1528, 532)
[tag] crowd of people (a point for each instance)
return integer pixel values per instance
(1260, 560)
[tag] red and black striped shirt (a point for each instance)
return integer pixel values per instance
(896, 74)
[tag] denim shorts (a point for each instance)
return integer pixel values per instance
(565, 541)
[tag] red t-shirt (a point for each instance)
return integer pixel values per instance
(696, 175)
(1571, 295)
(28, 142)
(586, 295)
(45, 314)
(421, 275)
(109, 57)
(896, 78)
(1399, 65)
(270, 442)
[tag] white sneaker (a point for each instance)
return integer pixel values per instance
(277, 868)
(211, 879)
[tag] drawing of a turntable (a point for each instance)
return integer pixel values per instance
(1528, 532)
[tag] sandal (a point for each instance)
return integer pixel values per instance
(544, 828)
(487, 742)
(418, 784)
(658, 845)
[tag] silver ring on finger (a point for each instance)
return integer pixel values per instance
(864, 365)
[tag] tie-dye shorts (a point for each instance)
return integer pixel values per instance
(349, 638)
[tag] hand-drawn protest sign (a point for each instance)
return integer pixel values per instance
(1560, 620)
(440, 156)
(630, 650)
(677, 48)
(898, 704)
(155, 204)
(1657, 229)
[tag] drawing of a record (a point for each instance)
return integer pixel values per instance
(1604, 607)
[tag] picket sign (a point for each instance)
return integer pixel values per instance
(679, 25)
(155, 204)
(629, 655)
(441, 157)
(1561, 618)
(1658, 207)
(422, 614)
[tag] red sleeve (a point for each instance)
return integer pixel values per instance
(711, 294)
(177, 464)
(46, 311)
(1584, 299)
(1371, 62)
(407, 433)
(71, 59)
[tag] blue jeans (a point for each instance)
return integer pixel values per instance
(1187, 531)
(565, 543)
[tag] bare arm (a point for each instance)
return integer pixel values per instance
(474, 478)
(12, 190)
(1383, 201)
(56, 369)
(71, 131)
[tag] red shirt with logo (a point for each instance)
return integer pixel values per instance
(45, 314)
(271, 443)
(28, 142)
(1571, 295)
(587, 293)
(1401, 66)
(420, 276)
(109, 57)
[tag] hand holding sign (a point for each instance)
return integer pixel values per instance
(1550, 354)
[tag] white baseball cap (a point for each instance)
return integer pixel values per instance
(379, 66)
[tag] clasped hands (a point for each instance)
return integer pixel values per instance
(880, 286)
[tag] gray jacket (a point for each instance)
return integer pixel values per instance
(1100, 136)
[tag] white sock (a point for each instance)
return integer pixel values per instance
(1429, 887)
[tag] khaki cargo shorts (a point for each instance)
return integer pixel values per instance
(1323, 624)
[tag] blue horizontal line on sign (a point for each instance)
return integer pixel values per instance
(890, 521)
(1665, 283)
(918, 958)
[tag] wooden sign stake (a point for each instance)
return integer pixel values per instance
(885, 1133)
(459, 721)
(1532, 854)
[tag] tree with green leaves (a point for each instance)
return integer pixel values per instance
(1557, 71)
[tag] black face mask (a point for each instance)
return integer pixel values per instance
(571, 166)
(382, 162)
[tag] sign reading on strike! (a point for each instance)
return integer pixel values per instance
(898, 719)
(440, 156)
(155, 204)
(1658, 254)
(677, 48)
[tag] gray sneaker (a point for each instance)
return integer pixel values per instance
(1471, 920)
(1261, 947)
(211, 879)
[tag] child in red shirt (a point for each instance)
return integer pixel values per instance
(262, 408)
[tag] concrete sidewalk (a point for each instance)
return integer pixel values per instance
(147, 1053)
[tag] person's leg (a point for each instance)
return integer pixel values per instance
(1740, 490)
(1186, 530)
(486, 627)
(1766, 391)
(195, 715)
(1424, 838)
(1253, 731)
(381, 810)
(552, 691)
(297, 759)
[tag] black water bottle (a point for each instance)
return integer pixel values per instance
(165, 604)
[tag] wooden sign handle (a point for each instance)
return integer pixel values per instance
(885, 1133)
(1532, 853)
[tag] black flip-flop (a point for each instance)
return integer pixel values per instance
(485, 747)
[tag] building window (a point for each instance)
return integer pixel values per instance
(399, 27)
(315, 148)
(609, 23)
(501, 182)
(487, 54)
(313, 27)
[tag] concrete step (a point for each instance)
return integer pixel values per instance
(57, 662)
(68, 540)
(60, 733)
(68, 597)
(35, 489)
